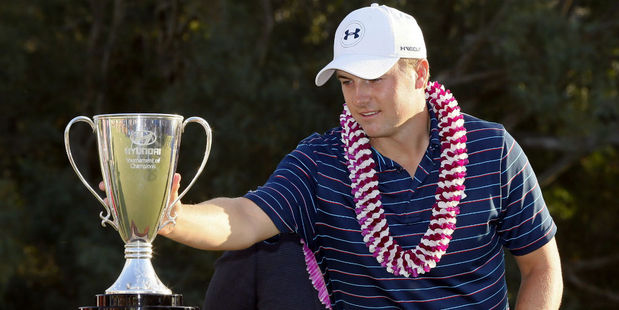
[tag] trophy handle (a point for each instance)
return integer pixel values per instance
(105, 219)
(207, 151)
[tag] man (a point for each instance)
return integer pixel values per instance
(409, 203)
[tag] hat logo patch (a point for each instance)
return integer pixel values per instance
(352, 35)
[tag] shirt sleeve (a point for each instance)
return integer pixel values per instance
(288, 196)
(525, 224)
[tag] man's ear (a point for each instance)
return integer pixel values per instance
(422, 73)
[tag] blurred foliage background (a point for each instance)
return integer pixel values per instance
(548, 70)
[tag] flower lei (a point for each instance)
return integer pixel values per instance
(368, 207)
(450, 190)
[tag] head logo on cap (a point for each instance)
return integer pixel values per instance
(352, 34)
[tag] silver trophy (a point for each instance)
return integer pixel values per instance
(138, 155)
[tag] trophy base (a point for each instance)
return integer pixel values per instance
(139, 302)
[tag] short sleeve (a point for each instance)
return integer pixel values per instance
(525, 223)
(288, 196)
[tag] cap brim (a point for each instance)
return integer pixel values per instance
(364, 66)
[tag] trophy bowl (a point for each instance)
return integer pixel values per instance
(138, 154)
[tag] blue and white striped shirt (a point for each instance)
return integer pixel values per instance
(310, 194)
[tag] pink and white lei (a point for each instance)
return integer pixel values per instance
(368, 207)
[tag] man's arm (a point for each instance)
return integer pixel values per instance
(219, 224)
(541, 285)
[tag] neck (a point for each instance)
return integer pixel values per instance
(408, 147)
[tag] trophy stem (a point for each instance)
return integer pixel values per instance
(138, 275)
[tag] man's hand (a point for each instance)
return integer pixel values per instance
(176, 208)
(102, 188)
(173, 195)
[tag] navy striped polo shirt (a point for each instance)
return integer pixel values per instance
(310, 194)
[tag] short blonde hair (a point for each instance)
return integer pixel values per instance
(410, 64)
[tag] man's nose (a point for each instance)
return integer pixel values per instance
(362, 92)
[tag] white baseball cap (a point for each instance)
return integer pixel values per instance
(370, 40)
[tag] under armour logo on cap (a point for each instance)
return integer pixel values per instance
(356, 33)
(353, 34)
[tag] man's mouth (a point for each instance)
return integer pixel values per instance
(372, 113)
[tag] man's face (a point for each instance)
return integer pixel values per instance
(383, 106)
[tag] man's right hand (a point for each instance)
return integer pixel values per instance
(173, 195)
(176, 208)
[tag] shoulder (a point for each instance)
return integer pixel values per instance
(318, 148)
(330, 138)
(484, 134)
(487, 142)
(479, 126)
(328, 142)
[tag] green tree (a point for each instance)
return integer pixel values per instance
(546, 69)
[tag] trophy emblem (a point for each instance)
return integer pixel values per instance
(138, 154)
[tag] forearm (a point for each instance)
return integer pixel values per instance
(220, 224)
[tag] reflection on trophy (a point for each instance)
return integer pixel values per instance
(138, 155)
